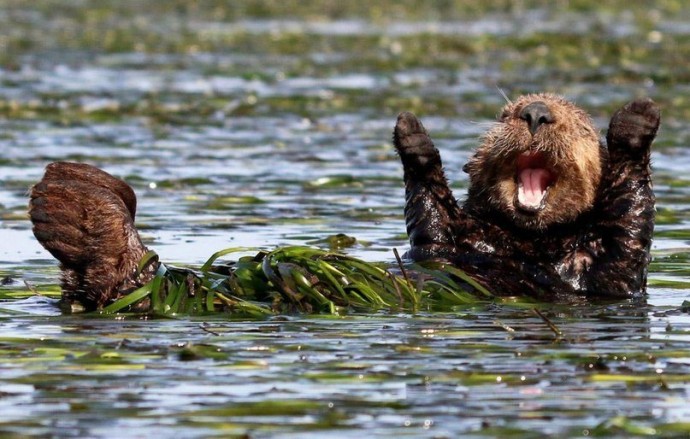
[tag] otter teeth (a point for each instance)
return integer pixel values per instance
(532, 187)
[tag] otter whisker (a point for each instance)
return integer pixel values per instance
(505, 96)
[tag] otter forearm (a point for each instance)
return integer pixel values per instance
(625, 233)
(430, 217)
(431, 211)
(627, 203)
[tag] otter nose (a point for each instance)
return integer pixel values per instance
(536, 114)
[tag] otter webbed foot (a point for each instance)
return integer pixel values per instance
(85, 218)
(633, 127)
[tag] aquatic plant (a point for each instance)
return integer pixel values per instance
(299, 279)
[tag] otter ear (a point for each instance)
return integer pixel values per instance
(471, 166)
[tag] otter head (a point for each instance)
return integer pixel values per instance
(540, 164)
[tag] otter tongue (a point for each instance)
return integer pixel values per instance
(532, 188)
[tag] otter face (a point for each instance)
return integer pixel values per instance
(540, 164)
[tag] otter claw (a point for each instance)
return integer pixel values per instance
(634, 126)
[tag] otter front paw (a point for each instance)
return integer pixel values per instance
(414, 145)
(634, 127)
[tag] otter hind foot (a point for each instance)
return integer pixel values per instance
(85, 218)
(634, 126)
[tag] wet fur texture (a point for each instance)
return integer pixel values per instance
(592, 233)
(85, 218)
(570, 146)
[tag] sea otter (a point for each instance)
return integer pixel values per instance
(550, 212)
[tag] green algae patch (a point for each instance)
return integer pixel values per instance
(264, 408)
(16, 292)
(652, 378)
(622, 425)
(336, 242)
(193, 352)
(228, 203)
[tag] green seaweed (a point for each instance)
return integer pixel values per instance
(298, 279)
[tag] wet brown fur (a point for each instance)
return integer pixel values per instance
(85, 218)
(593, 235)
(572, 148)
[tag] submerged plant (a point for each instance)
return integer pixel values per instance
(299, 279)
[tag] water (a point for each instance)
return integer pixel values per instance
(262, 128)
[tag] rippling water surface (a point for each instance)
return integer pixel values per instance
(261, 125)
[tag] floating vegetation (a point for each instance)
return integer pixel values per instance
(299, 279)
(337, 241)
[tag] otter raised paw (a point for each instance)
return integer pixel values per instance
(431, 228)
(85, 218)
(550, 211)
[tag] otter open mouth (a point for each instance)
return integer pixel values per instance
(534, 179)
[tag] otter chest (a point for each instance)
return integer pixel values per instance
(568, 254)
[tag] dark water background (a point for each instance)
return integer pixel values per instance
(266, 123)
